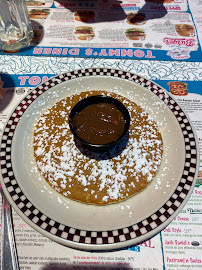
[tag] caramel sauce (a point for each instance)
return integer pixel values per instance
(99, 123)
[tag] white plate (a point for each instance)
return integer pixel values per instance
(93, 227)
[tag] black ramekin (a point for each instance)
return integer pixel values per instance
(95, 100)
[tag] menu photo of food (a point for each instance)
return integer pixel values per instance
(39, 13)
(87, 16)
(84, 33)
(172, 33)
(37, 36)
(135, 34)
(199, 180)
(178, 88)
(160, 1)
(34, 3)
(10, 52)
(135, 18)
(185, 30)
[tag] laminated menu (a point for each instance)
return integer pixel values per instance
(178, 246)
(133, 29)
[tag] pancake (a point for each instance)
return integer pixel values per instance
(97, 178)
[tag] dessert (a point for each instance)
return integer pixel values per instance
(96, 178)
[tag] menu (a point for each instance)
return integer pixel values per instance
(129, 29)
(178, 246)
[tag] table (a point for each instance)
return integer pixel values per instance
(179, 245)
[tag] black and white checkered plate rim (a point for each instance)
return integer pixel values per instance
(96, 238)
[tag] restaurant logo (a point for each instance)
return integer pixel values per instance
(179, 42)
(179, 53)
(178, 88)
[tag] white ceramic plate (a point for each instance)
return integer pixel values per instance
(93, 227)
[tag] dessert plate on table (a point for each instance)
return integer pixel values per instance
(91, 227)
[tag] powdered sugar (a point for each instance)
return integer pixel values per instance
(113, 177)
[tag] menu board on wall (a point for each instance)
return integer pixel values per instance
(131, 29)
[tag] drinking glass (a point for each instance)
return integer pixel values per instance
(15, 25)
